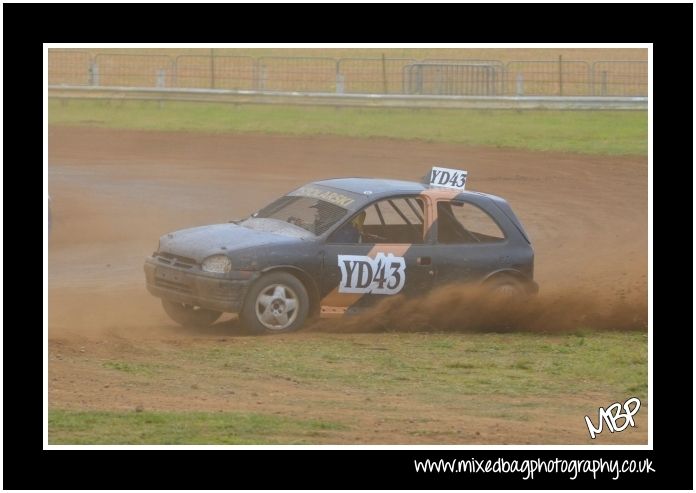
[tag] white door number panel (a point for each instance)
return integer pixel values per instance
(384, 274)
(448, 178)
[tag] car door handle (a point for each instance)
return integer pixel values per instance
(424, 261)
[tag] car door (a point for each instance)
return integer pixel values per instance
(389, 256)
(469, 242)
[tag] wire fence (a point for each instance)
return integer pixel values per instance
(371, 75)
(620, 78)
(567, 78)
(455, 77)
(219, 72)
(132, 70)
(300, 74)
(396, 76)
(70, 67)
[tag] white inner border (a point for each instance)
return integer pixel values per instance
(651, 404)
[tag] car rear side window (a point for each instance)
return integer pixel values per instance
(462, 222)
(394, 220)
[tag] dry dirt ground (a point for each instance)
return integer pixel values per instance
(115, 192)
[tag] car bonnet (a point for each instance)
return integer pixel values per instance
(203, 241)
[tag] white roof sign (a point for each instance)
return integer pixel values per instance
(448, 178)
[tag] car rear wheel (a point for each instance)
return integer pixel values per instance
(506, 287)
(277, 302)
(189, 315)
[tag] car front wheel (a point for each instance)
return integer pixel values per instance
(189, 315)
(277, 302)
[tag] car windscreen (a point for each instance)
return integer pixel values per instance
(310, 214)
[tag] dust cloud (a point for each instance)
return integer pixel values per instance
(462, 308)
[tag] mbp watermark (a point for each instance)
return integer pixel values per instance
(612, 414)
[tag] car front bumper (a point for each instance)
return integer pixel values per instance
(193, 287)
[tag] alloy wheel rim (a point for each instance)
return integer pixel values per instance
(276, 307)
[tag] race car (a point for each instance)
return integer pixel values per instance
(337, 246)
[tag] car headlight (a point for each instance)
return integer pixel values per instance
(220, 264)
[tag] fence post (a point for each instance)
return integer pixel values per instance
(490, 78)
(212, 68)
(93, 74)
(407, 81)
(384, 74)
(175, 72)
(263, 76)
(604, 82)
(160, 78)
(520, 85)
(560, 74)
(340, 79)
(592, 80)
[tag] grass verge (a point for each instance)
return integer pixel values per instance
(147, 427)
(589, 132)
(344, 388)
(442, 368)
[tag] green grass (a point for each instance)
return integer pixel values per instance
(590, 132)
(440, 367)
(337, 388)
(99, 427)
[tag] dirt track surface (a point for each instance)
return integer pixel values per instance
(115, 192)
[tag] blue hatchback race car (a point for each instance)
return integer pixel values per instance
(336, 246)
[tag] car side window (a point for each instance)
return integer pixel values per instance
(462, 222)
(394, 220)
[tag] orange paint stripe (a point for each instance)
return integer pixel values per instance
(435, 194)
(334, 298)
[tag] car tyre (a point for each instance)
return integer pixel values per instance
(189, 315)
(506, 287)
(277, 302)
